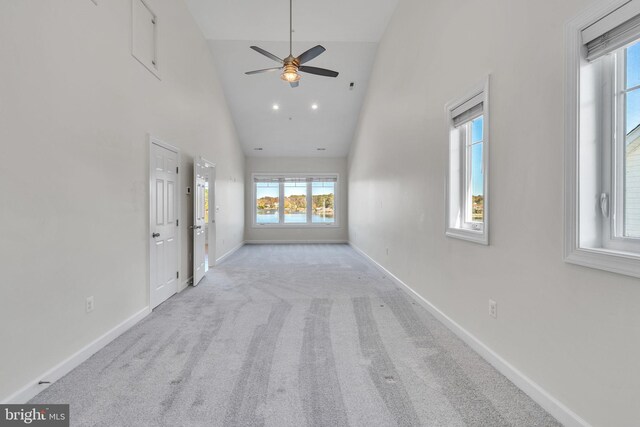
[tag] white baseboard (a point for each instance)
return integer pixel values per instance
(294, 242)
(231, 252)
(552, 405)
(32, 388)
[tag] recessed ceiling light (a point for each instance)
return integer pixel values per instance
(276, 107)
(314, 106)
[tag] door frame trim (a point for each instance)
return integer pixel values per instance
(151, 141)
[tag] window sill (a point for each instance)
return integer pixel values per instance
(626, 263)
(295, 226)
(474, 236)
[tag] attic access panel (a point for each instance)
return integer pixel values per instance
(144, 36)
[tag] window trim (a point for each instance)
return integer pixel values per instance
(469, 231)
(336, 195)
(602, 258)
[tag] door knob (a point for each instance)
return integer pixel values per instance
(154, 235)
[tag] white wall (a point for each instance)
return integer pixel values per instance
(297, 165)
(573, 330)
(75, 110)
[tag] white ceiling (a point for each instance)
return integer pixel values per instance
(349, 30)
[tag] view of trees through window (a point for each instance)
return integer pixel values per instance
(323, 202)
(267, 203)
(206, 204)
(299, 196)
(295, 202)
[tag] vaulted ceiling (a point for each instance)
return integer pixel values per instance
(349, 30)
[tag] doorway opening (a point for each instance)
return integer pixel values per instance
(204, 222)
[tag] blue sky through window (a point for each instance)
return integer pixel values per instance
(633, 79)
(477, 179)
(320, 188)
(267, 190)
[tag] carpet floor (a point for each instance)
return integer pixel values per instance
(291, 335)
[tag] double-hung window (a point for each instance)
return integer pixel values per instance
(467, 183)
(295, 200)
(602, 170)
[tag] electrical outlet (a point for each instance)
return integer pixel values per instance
(493, 309)
(89, 304)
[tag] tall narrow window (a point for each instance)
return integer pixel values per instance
(295, 201)
(467, 182)
(602, 170)
(267, 202)
(323, 196)
(474, 208)
(631, 96)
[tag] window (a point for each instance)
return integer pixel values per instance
(267, 202)
(295, 202)
(474, 184)
(308, 200)
(602, 170)
(323, 198)
(467, 207)
(629, 62)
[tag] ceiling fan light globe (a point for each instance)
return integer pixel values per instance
(290, 76)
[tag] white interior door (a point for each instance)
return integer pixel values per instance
(200, 174)
(164, 224)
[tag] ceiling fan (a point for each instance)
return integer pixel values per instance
(291, 65)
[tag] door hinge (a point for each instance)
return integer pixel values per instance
(177, 222)
(177, 274)
(177, 169)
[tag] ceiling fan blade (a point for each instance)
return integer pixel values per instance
(266, 70)
(267, 54)
(310, 54)
(318, 71)
(294, 84)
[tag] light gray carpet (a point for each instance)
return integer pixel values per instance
(291, 335)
